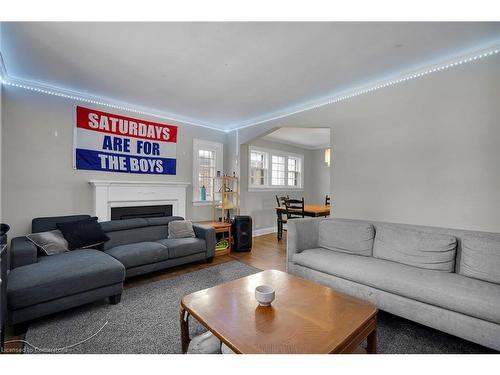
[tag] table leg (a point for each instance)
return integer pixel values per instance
(371, 348)
(184, 316)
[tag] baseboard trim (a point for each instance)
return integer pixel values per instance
(263, 231)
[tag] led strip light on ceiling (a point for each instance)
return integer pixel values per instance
(55, 91)
(348, 94)
(333, 99)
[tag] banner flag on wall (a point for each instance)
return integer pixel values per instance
(113, 143)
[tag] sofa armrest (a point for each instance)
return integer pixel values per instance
(207, 233)
(302, 234)
(22, 252)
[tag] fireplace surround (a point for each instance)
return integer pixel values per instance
(110, 194)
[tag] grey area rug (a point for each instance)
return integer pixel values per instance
(147, 321)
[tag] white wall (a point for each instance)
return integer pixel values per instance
(321, 177)
(38, 177)
(426, 151)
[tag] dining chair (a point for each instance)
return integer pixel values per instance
(294, 208)
(281, 216)
(281, 200)
(327, 202)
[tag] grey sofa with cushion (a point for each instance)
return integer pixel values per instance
(443, 278)
(142, 246)
(39, 285)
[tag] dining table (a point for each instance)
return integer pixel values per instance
(312, 210)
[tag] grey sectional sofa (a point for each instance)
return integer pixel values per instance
(39, 285)
(142, 246)
(443, 278)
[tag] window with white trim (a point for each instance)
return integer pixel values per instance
(278, 170)
(293, 171)
(207, 160)
(258, 168)
(272, 169)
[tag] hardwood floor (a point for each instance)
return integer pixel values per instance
(267, 253)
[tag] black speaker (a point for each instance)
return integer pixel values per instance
(242, 233)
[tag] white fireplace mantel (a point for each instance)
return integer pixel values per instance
(108, 194)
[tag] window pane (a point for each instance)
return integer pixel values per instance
(293, 176)
(278, 170)
(206, 169)
(257, 168)
(257, 176)
(257, 159)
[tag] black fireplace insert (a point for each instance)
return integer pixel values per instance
(132, 212)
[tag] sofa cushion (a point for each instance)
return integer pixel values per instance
(432, 251)
(164, 220)
(451, 291)
(181, 247)
(124, 232)
(180, 229)
(119, 225)
(481, 258)
(51, 242)
(83, 233)
(130, 236)
(354, 238)
(62, 275)
(138, 254)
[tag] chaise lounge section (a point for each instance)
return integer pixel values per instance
(443, 278)
(39, 285)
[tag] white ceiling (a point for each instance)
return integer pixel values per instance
(225, 74)
(311, 138)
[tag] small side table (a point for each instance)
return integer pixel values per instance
(221, 227)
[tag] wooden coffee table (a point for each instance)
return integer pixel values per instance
(304, 318)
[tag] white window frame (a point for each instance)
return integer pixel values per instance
(269, 153)
(285, 162)
(202, 144)
(265, 167)
(299, 169)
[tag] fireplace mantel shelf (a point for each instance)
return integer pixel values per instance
(108, 194)
(146, 183)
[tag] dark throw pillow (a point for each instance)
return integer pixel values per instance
(83, 233)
